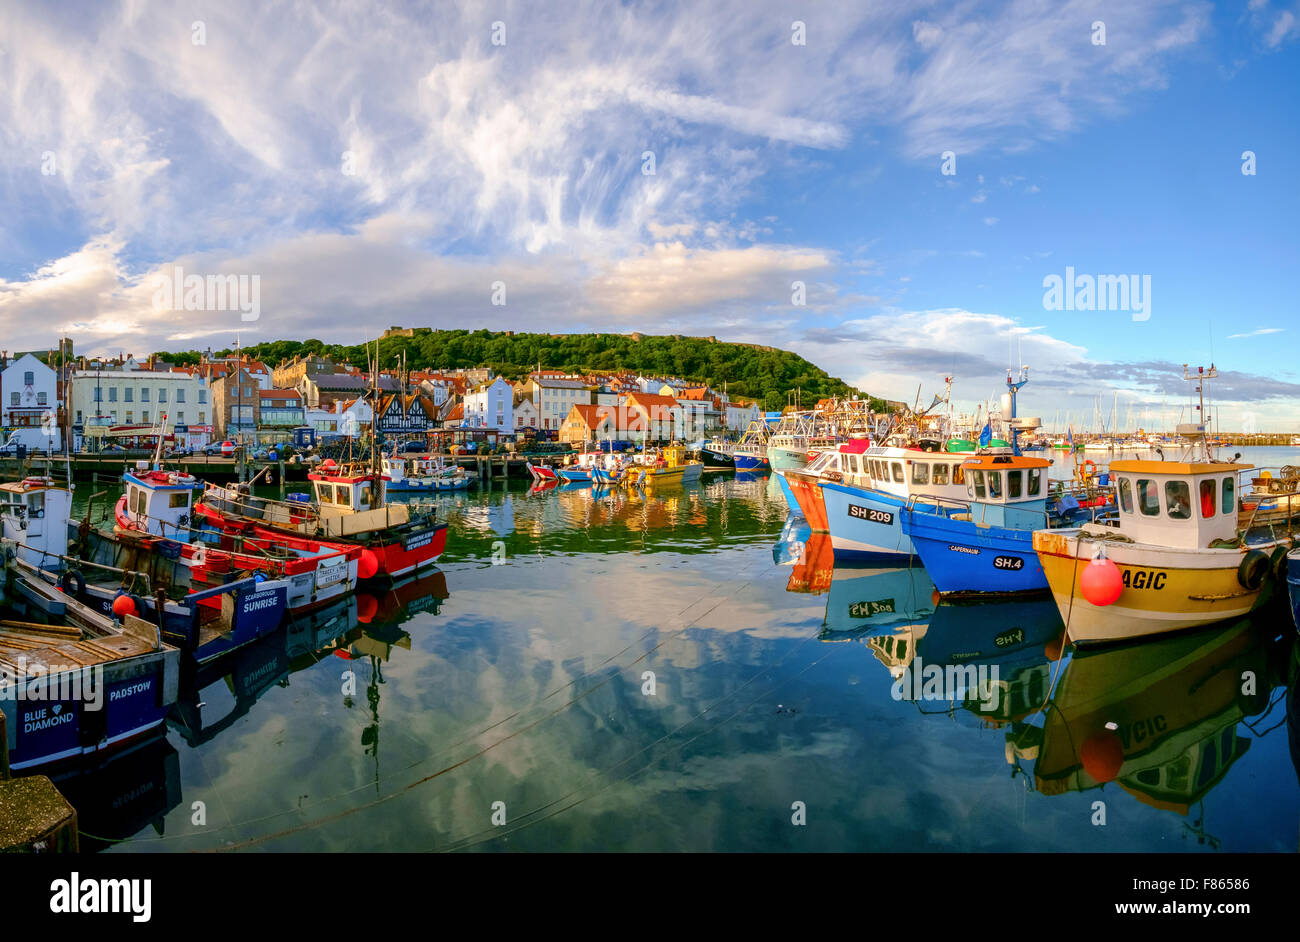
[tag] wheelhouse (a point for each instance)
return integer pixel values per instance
(906, 472)
(346, 493)
(1175, 503)
(1007, 490)
(159, 502)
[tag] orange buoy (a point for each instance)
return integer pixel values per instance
(1101, 582)
(367, 565)
(935, 597)
(123, 606)
(1102, 756)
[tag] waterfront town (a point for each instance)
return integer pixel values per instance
(93, 403)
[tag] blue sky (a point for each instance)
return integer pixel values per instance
(389, 167)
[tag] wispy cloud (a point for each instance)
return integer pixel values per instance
(1257, 333)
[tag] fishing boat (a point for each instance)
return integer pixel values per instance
(422, 473)
(668, 465)
(156, 516)
(1177, 556)
(78, 682)
(541, 473)
(717, 454)
(750, 453)
(985, 544)
(876, 599)
(805, 483)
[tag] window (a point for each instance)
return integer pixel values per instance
(941, 474)
(129, 395)
(1013, 483)
(978, 477)
(325, 493)
(202, 417)
(180, 394)
(113, 416)
(178, 499)
(1126, 495)
(162, 395)
(1178, 499)
(180, 417)
(898, 472)
(995, 485)
(99, 394)
(1207, 499)
(13, 399)
(130, 416)
(78, 416)
(1035, 481)
(40, 399)
(1148, 498)
(344, 495)
(141, 503)
(958, 476)
(144, 394)
(203, 397)
(29, 379)
(920, 473)
(1229, 502)
(144, 416)
(112, 394)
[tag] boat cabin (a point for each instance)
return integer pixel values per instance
(1007, 490)
(34, 514)
(905, 472)
(346, 491)
(159, 502)
(1177, 503)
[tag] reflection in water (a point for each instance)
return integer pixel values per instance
(517, 673)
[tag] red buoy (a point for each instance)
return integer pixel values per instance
(1101, 582)
(1102, 756)
(367, 565)
(367, 607)
(123, 606)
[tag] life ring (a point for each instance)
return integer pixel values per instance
(67, 580)
(1253, 570)
(1089, 468)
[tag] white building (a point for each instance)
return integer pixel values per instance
(353, 415)
(554, 398)
(491, 405)
(29, 391)
(738, 417)
(114, 396)
(525, 412)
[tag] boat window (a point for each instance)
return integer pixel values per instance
(853, 463)
(1013, 483)
(1035, 481)
(978, 477)
(995, 485)
(141, 502)
(958, 476)
(898, 472)
(325, 493)
(1126, 495)
(1178, 499)
(1229, 502)
(178, 499)
(878, 471)
(1207, 498)
(920, 473)
(1209, 764)
(344, 495)
(941, 474)
(1148, 497)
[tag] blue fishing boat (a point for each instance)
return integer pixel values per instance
(750, 453)
(868, 599)
(985, 544)
(575, 474)
(864, 509)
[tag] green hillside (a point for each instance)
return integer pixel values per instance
(748, 370)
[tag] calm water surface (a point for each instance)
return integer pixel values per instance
(515, 682)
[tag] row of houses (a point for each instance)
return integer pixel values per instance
(240, 397)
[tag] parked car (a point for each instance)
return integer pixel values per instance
(414, 447)
(226, 448)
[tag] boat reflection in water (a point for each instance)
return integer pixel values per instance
(866, 599)
(131, 791)
(993, 659)
(1159, 718)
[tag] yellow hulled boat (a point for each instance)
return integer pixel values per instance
(1182, 558)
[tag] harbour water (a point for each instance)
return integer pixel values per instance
(689, 670)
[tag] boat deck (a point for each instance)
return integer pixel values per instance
(52, 648)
